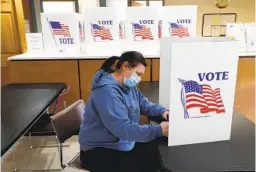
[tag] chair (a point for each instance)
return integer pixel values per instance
(58, 105)
(66, 123)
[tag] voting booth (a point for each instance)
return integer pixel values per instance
(250, 29)
(107, 31)
(178, 21)
(141, 28)
(101, 30)
(63, 32)
(244, 33)
(197, 85)
(236, 31)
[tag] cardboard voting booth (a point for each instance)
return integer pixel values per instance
(63, 32)
(101, 30)
(141, 28)
(236, 31)
(245, 33)
(178, 21)
(197, 85)
(250, 36)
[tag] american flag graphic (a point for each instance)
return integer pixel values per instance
(202, 96)
(178, 30)
(59, 29)
(101, 32)
(142, 31)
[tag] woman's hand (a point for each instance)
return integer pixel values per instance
(165, 116)
(165, 128)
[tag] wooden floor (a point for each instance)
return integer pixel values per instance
(20, 156)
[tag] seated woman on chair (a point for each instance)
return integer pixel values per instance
(111, 139)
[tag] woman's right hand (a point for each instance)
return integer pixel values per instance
(165, 128)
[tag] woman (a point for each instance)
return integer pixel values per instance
(110, 137)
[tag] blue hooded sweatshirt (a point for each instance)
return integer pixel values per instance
(112, 114)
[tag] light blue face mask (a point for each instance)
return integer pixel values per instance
(132, 81)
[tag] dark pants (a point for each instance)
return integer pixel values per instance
(143, 158)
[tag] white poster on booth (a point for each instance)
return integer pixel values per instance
(178, 21)
(142, 23)
(60, 32)
(101, 30)
(141, 28)
(251, 36)
(236, 31)
(202, 89)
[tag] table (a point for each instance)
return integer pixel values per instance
(237, 154)
(21, 106)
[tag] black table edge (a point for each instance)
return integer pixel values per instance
(26, 128)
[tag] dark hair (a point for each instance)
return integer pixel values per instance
(107, 66)
(134, 58)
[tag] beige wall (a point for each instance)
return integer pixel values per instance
(245, 9)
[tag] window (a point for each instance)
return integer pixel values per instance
(156, 3)
(141, 3)
(59, 6)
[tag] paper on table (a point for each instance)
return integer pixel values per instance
(34, 42)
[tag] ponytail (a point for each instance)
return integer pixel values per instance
(132, 57)
(107, 66)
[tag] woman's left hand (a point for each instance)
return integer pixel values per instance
(165, 115)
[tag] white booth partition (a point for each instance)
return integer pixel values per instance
(197, 85)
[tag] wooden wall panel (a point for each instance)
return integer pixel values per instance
(245, 88)
(146, 76)
(155, 69)
(47, 72)
(87, 69)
